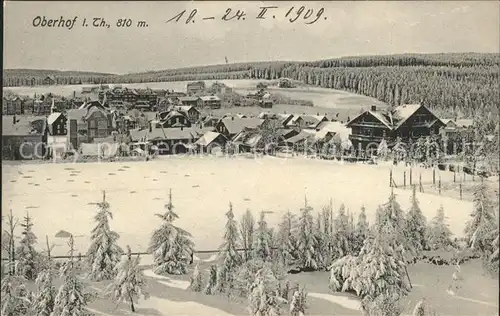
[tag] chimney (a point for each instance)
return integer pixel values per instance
(14, 120)
(182, 128)
(232, 118)
(150, 127)
(374, 108)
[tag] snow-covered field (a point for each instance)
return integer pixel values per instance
(59, 196)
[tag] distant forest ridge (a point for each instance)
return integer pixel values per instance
(51, 72)
(453, 84)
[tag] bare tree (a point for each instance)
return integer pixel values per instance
(10, 241)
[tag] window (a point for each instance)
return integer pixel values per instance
(92, 124)
(92, 133)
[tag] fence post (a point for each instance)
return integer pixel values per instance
(460, 185)
(390, 178)
(433, 176)
(420, 182)
(454, 176)
(411, 182)
(439, 185)
(404, 179)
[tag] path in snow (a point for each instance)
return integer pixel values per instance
(179, 284)
(470, 299)
(343, 301)
(97, 312)
(172, 308)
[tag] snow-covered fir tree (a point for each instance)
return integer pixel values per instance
(286, 242)
(383, 150)
(419, 309)
(298, 303)
(170, 245)
(439, 234)
(228, 257)
(196, 282)
(391, 218)
(247, 228)
(377, 274)
(341, 245)
(416, 225)
(494, 258)
(212, 281)
(323, 241)
(129, 284)
(423, 308)
(308, 252)
(15, 300)
(71, 298)
(327, 229)
(361, 231)
(43, 304)
(351, 231)
(104, 253)
(480, 229)
(245, 275)
(264, 298)
(262, 241)
(27, 255)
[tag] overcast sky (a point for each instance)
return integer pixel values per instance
(350, 28)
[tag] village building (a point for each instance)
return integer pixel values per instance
(285, 83)
(211, 102)
(229, 127)
(266, 103)
(12, 105)
(191, 101)
(219, 88)
(248, 140)
(23, 137)
(190, 112)
(210, 121)
(406, 122)
(455, 133)
(313, 121)
(144, 105)
(296, 121)
(49, 80)
(88, 123)
(172, 119)
(210, 142)
(195, 88)
(167, 140)
(57, 134)
(42, 107)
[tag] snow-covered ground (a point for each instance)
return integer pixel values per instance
(60, 196)
(343, 301)
(179, 284)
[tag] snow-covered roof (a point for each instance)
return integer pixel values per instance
(235, 125)
(53, 117)
(464, 122)
(403, 112)
(207, 138)
(210, 98)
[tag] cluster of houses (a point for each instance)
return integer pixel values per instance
(118, 97)
(173, 122)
